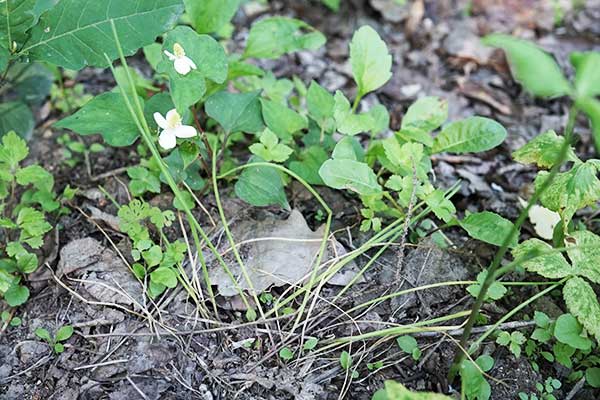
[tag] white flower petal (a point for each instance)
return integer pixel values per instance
(182, 66)
(160, 120)
(167, 139)
(190, 62)
(173, 119)
(170, 55)
(185, 131)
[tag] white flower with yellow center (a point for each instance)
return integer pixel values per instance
(172, 128)
(183, 64)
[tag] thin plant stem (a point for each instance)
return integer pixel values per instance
(491, 275)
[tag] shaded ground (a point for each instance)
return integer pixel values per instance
(116, 355)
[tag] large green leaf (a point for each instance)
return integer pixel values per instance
(236, 112)
(307, 167)
(543, 150)
(351, 175)
(209, 16)
(107, 115)
(282, 120)
(489, 227)
(4, 57)
(473, 134)
(535, 69)
(16, 116)
(583, 248)
(209, 57)
(320, 104)
(540, 258)
(261, 186)
(76, 33)
(569, 331)
(370, 59)
(582, 302)
(276, 36)
(16, 17)
(587, 78)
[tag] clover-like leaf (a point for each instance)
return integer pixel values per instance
(269, 148)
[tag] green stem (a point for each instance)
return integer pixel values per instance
(492, 270)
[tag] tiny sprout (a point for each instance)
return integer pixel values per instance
(172, 128)
(183, 64)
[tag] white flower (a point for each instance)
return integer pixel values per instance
(172, 129)
(183, 64)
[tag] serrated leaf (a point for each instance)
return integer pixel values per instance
(582, 302)
(276, 36)
(36, 176)
(583, 248)
(107, 115)
(426, 114)
(236, 112)
(209, 16)
(261, 186)
(349, 174)
(440, 205)
(571, 190)
(543, 150)
(76, 33)
(13, 150)
(535, 69)
(470, 135)
(206, 53)
(16, 116)
(540, 258)
(370, 60)
(489, 227)
(33, 226)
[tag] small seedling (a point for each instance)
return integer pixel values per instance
(62, 335)
(513, 341)
(286, 354)
(409, 345)
(7, 319)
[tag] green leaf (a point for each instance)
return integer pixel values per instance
(16, 17)
(583, 248)
(582, 302)
(16, 295)
(591, 107)
(587, 80)
(332, 4)
(58, 348)
(4, 58)
(142, 181)
(269, 148)
(571, 190)
(440, 205)
(27, 262)
(261, 186)
(36, 176)
(349, 174)
(164, 276)
(407, 343)
(470, 135)
(426, 114)
(543, 150)
(345, 360)
(320, 104)
(495, 292)
(489, 227)
(567, 329)
(276, 36)
(370, 59)
(310, 344)
(236, 112)
(43, 334)
(76, 33)
(308, 164)
(107, 115)
(349, 123)
(33, 226)
(286, 354)
(281, 120)
(64, 333)
(206, 53)
(541, 258)
(396, 391)
(592, 377)
(209, 16)
(406, 157)
(348, 148)
(535, 69)
(13, 150)
(16, 116)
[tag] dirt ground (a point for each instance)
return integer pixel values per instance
(118, 355)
